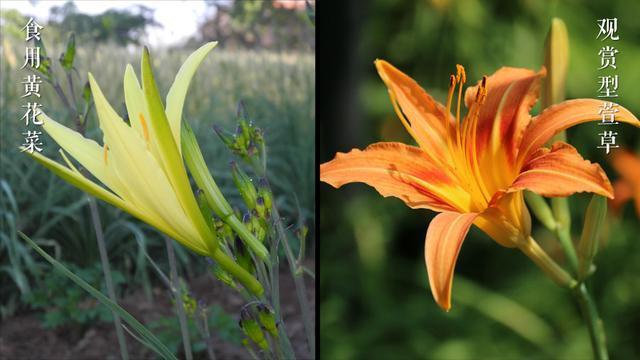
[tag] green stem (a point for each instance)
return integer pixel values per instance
(562, 215)
(106, 269)
(301, 291)
(593, 321)
(177, 295)
(207, 337)
(531, 248)
(238, 272)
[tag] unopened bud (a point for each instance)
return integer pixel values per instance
(265, 193)
(223, 231)
(540, 209)
(223, 276)
(243, 258)
(245, 186)
(226, 138)
(589, 242)
(205, 209)
(267, 319)
(252, 329)
(261, 209)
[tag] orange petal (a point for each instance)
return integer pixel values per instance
(511, 93)
(423, 117)
(399, 170)
(561, 171)
(623, 192)
(559, 117)
(442, 245)
(627, 164)
(506, 219)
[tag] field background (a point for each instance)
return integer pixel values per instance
(374, 292)
(277, 86)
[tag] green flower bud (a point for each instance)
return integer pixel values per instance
(252, 329)
(223, 276)
(205, 209)
(45, 61)
(245, 186)
(263, 212)
(243, 133)
(189, 304)
(267, 319)
(265, 193)
(257, 137)
(223, 230)
(589, 242)
(540, 209)
(67, 57)
(226, 138)
(243, 258)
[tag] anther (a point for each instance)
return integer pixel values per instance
(106, 151)
(145, 130)
(482, 91)
(461, 75)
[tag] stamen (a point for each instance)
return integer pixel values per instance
(145, 130)
(481, 94)
(106, 150)
(462, 78)
(452, 87)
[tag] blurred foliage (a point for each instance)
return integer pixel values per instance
(278, 90)
(220, 323)
(122, 27)
(66, 305)
(249, 24)
(374, 292)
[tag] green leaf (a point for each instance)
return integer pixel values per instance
(153, 342)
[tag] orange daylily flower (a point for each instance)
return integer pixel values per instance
(474, 171)
(627, 164)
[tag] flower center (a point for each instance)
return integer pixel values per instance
(461, 140)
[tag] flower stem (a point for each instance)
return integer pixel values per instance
(244, 277)
(104, 259)
(531, 248)
(177, 295)
(593, 321)
(562, 215)
(298, 281)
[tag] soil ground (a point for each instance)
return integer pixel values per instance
(23, 336)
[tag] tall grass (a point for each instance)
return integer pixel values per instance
(277, 89)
